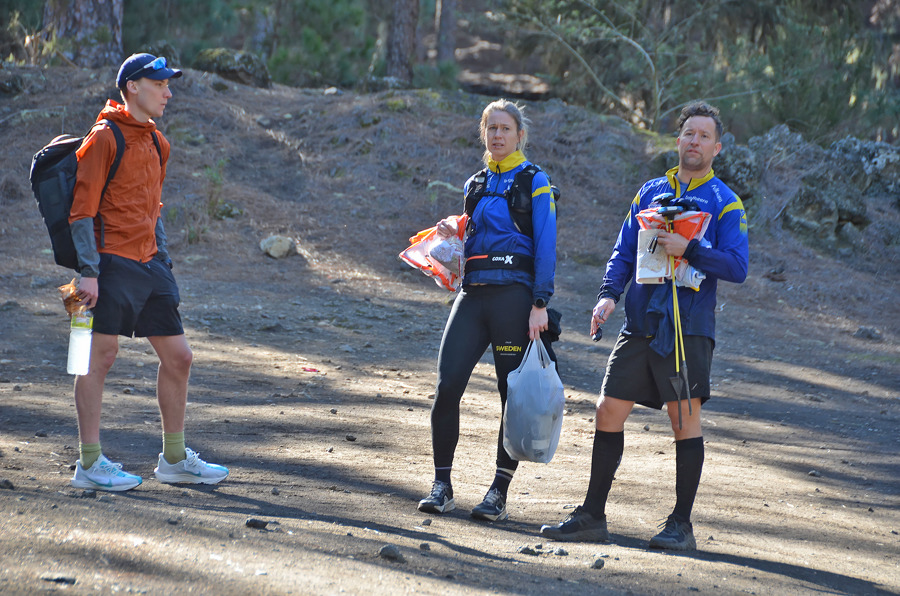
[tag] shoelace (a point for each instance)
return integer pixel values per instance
(669, 524)
(493, 497)
(439, 489)
(109, 466)
(192, 459)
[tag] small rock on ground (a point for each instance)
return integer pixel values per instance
(868, 333)
(391, 552)
(59, 579)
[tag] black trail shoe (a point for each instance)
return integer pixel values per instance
(677, 534)
(440, 500)
(579, 526)
(492, 508)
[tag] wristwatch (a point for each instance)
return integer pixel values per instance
(540, 303)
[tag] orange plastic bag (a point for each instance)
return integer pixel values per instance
(69, 294)
(439, 258)
(653, 266)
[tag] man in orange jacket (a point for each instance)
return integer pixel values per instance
(126, 275)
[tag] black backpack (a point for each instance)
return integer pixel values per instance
(518, 197)
(53, 172)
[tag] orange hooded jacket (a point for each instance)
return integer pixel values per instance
(132, 203)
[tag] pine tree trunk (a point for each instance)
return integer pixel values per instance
(402, 40)
(89, 31)
(445, 15)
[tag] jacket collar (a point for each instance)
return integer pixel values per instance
(116, 111)
(695, 182)
(510, 162)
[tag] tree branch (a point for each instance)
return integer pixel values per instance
(606, 90)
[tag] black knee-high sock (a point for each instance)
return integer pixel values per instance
(607, 454)
(688, 467)
(502, 478)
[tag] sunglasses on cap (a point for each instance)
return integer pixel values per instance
(157, 64)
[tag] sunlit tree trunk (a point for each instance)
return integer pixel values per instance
(89, 31)
(445, 25)
(402, 40)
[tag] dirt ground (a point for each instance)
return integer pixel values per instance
(313, 375)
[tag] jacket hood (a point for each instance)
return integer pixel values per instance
(117, 113)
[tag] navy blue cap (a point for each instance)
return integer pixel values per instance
(139, 66)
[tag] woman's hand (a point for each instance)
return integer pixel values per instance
(447, 228)
(537, 322)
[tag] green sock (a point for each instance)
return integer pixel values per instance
(173, 447)
(90, 453)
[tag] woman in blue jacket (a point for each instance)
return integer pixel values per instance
(503, 301)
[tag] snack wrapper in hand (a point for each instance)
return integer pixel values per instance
(448, 253)
(69, 294)
(439, 258)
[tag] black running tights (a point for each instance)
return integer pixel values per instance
(481, 316)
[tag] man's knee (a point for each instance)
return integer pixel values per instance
(182, 359)
(611, 413)
(175, 356)
(686, 424)
(104, 350)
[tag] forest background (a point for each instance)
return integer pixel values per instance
(826, 68)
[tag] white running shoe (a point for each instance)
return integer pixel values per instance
(104, 475)
(192, 470)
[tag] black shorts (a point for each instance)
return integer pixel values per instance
(136, 299)
(635, 372)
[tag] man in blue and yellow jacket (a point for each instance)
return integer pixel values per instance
(643, 362)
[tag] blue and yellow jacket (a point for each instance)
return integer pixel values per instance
(494, 230)
(648, 307)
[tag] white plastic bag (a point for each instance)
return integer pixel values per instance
(534, 407)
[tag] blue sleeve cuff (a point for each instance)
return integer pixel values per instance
(691, 251)
(607, 294)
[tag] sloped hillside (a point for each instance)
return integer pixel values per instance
(313, 374)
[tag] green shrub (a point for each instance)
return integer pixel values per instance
(817, 65)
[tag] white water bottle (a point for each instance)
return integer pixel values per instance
(80, 343)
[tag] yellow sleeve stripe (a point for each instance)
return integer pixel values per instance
(541, 190)
(732, 206)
